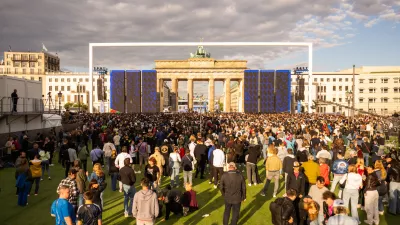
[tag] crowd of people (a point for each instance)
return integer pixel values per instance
(315, 156)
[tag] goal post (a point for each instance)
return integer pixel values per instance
(181, 44)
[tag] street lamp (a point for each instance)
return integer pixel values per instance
(59, 102)
(349, 97)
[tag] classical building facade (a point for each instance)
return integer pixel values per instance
(200, 67)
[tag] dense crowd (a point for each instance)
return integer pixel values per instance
(312, 154)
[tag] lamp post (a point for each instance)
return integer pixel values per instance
(349, 97)
(59, 102)
(79, 97)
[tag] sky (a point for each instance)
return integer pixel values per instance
(344, 32)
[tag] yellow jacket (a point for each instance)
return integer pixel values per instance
(311, 170)
(36, 168)
(159, 158)
(273, 163)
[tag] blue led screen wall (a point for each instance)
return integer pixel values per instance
(117, 90)
(267, 91)
(133, 91)
(251, 91)
(283, 96)
(149, 91)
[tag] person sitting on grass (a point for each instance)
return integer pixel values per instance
(189, 201)
(172, 201)
(89, 213)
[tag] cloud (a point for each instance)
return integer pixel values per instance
(371, 22)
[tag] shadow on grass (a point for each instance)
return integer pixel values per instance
(205, 208)
(252, 208)
(116, 215)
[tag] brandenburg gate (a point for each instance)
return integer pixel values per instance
(201, 67)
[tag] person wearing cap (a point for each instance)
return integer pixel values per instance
(296, 180)
(341, 214)
(339, 169)
(70, 182)
(233, 190)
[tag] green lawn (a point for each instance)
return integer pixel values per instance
(255, 210)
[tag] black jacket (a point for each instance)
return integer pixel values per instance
(326, 213)
(254, 153)
(288, 164)
(200, 153)
(187, 163)
(127, 175)
(288, 211)
(297, 184)
(233, 187)
(394, 171)
(372, 182)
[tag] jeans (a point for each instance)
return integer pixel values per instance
(394, 195)
(264, 151)
(114, 181)
(107, 162)
(286, 175)
(251, 173)
(351, 196)
(175, 174)
(366, 159)
(371, 206)
(235, 213)
(36, 180)
(187, 175)
(336, 179)
(272, 175)
(380, 204)
(200, 168)
(129, 192)
(45, 167)
(81, 200)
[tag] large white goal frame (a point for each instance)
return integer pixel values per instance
(180, 44)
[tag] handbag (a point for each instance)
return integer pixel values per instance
(343, 185)
(382, 188)
(226, 164)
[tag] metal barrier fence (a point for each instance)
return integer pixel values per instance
(21, 106)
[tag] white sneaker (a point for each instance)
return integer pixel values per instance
(249, 185)
(51, 165)
(274, 195)
(215, 186)
(382, 213)
(126, 214)
(284, 195)
(209, 182)
(41, 179)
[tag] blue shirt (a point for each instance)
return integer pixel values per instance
(60, 209)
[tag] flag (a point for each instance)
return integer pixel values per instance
(9, 48)
(44, 47)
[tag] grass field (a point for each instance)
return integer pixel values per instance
(255, 210)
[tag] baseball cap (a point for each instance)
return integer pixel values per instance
(296, 164)
(165, 140)
(338, 203)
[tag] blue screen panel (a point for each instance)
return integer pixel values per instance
(133, 91)
(283, 96)
(267, 91)
(117, 90)
(149, 91)
(251, 91)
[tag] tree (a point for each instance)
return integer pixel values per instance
(221, 106)
(68, 105)
(82, 105)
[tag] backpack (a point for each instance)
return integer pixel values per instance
(276, 208)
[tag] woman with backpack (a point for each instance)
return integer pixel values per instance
(83, 154)
(187, 165)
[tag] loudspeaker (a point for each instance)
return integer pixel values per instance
(301, 89)
(100, 92)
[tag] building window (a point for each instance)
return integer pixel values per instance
(62, 88)
(384, 100)
(340, 99)
(74, 80)
(361, 90)
(31, 64)
(340, 79)
(32, 78)
(87, 79)
(315, 79)
(68, 88)
(328, 79)
(50, 88)
(32, 71)
(68, 98)
(16, 70)
(361, 100)
(56, 88)
(384, 111)
(371, 100)
(56, 80)
(80, 79)
(361, 81)
(396, 90)
(340, 88)
(372, 90)
(384, 80)
(384, 90)
(39, 71)
(396, 100)
(333, 99)
(322, 79)
(372, 81)
(346, 88)
(347, 79)
(50, 79)
(396, 79)
(334, 79)
(40, 78)
(40, 57)
(62, 79)
(333, 108)
(68, 79)
(334, 88)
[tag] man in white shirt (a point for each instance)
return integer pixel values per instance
(119, 162)
(107, 149)
(218, 164)
(192, 145)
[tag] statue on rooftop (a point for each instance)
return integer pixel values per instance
(201, 52)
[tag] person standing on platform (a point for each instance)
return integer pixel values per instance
(233, 189)
(14, 100)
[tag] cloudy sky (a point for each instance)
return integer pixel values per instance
(344, 32)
